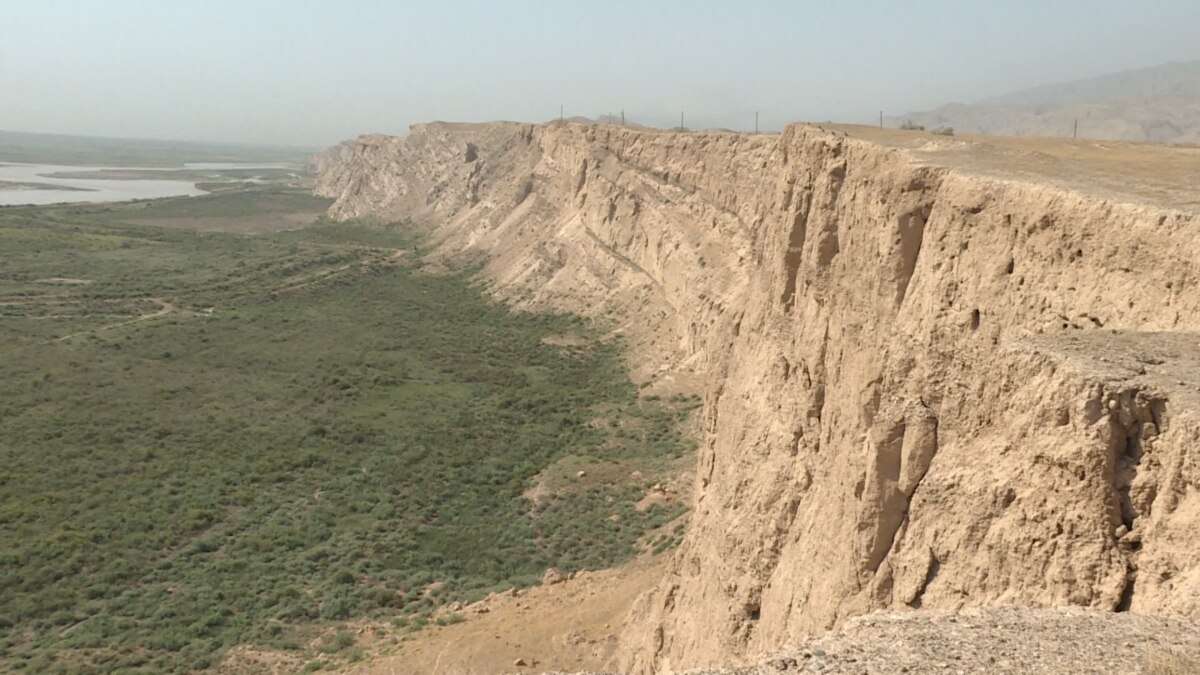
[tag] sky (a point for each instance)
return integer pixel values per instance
(312, 72)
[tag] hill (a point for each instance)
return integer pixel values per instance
(1150, 104)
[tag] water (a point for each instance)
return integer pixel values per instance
(226, 166)
(98, 189)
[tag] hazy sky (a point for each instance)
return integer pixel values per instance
(313, 72)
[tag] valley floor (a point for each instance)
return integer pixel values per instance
(297, 446)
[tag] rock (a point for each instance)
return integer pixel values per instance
(863, 316)
(519, 663)
(552, 576)
(580, 474)
(1051, 641)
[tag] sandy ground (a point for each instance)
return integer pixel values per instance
(995, 641)
(1153, 173)
(569, 626)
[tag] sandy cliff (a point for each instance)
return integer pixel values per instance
(936, 372)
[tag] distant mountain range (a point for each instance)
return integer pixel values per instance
(1151, 104)
(36, 148)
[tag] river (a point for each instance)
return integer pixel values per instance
(32, 184)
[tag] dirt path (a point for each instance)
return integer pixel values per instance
(164, 308)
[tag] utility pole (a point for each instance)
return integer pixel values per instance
(756, 121)
(880, 119)
(622, 117)
(560, 112)
(681, 120)
(1075, 131)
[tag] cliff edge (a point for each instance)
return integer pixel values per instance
(937, 372)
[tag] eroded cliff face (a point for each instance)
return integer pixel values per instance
(925, 385)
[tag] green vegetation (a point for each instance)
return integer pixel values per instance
(209, 439)
(244, 202)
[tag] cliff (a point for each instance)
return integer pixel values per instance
(936, 372)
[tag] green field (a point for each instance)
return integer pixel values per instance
(211, 439)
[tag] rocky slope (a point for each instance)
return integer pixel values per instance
(936, 373)
(994, 640)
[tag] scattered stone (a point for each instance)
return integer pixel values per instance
(783, 664)
(552, 576)
(990, 640)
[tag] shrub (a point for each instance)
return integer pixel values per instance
(301, 480)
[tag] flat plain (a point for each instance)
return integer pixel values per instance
(210, 439)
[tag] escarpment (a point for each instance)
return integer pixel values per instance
(935, 373)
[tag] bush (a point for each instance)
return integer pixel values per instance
(276, 472)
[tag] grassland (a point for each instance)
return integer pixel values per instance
(209, 439)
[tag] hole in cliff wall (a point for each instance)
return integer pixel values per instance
(583, 170)
(752, 610)
(974, 319)
(525, 191)
(827, 247)
(471, 154)
(911, 231)
(1158, 412)
(935, 566)
(1126, 601)
(1012, 265)
(795, 250)
(1124, 471)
